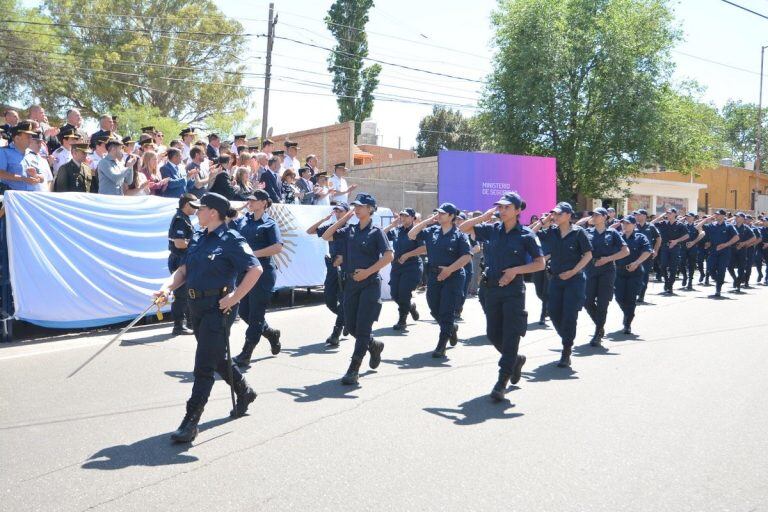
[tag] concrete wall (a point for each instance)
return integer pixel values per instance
(382, 154)
(396, 185)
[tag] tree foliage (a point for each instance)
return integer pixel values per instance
(132, 119)
(353, 83)
(446, 128)
(740, 132)
(580, 80)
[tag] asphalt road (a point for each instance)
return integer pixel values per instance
(674, 418)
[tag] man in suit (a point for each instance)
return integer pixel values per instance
(271, 180)
(176, 174)
(305, 185)
(212, 150)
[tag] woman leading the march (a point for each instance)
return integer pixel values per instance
(406, 267)
(570, 253)
(447, 252)
(367, 251)
(511, 250)
(216, 256)
(263, 236)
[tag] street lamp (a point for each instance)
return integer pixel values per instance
(759, 127)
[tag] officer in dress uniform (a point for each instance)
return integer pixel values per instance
(607, 247)
(673, 233)
(263, 236)
(570, 253)
(722, 236)
(653, 236)
(448, 252)
(367, 252)
(630, 270)
(333, 287)
(179, 235)
(216, 256)
(511, 250)
(75, 175)
(407, 267)
(63, 153)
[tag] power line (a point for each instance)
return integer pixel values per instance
(723, 64)
(745, 9)
(147, 30)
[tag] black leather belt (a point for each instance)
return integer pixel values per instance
(494, 283)
(202, 294)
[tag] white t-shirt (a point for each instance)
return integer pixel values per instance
(340, 184)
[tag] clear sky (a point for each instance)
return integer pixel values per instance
(720, 50)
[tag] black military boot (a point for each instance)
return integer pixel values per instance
(273, 337)
(454, 336)
(543, 317)
(245, 395)
(597, 339)
(518, 372)
(400, 325)
(414, 312)
(628, 323)
(179, 329)
(441, 344)
(350, 378)
(187, 431)
(565, 358)
(375, 348)
(333, 339)
(690, 284)
(459, 312)
(500, 389)
(244, 357)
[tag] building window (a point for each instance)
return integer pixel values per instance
(637, 201)
(664, 203)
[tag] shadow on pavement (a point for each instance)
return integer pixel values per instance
(416, 361)
(184, 377)
(548, 372)
(153, 451)
(475, 411)
(329, 389)
(536, 326)
(317, 348)
(620, 336)
(476, 341)
(588, 350)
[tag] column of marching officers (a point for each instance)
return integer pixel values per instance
(227, 268)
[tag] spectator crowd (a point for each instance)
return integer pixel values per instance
(34, 156)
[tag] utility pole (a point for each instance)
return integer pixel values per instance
(268, 72)
(759, 129)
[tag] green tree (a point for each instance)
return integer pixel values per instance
(131, 119)
(180, 56)
(740, 121)
(353, 84)
(579, 80)
(689, 134)
(446, 128)
(232, 124)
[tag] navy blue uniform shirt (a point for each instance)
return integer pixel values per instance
(443, 249)
(719, 233)
(335, 247)
(364, 246)
(692, 234)
(607, 243)
(745, 232)
(671, 230)
(566, 252)
(637, 243)
(260, 234)
(402, 244)
(505, 249)
(650, 231)
(215, 259)
(181, 228)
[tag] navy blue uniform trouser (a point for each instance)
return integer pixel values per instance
(333, 291)
(403, 280)
(362, 305)
(179, 307)
(765, 260)
(468, 274)
(506, 320)
(749, 264)
(541, 283)
(443, 299)
(627, 288)
(741, 262)
(670, 259)
(648, 269)
(717, 264)
(599, 292)
(211, 354)
(566, 298)
(688, 260)
(253, 307)
(701, 257)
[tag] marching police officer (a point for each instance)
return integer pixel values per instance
(653, 236)
(690, 251)
(755, 255)
(672, 233)
(607, 247)
(216, 256)
(741, 250)
(407, 267)
(630, 270)
(448, 252)
(474, 248)
(511, 250)
(570, 253)
(333, 287)
(179, 235)
(722, 236)
(263, 236)
(367, 252)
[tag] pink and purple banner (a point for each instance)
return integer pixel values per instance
(474, 181)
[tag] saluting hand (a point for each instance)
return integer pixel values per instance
(488, 215)
(349, 215)
(444, 274)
